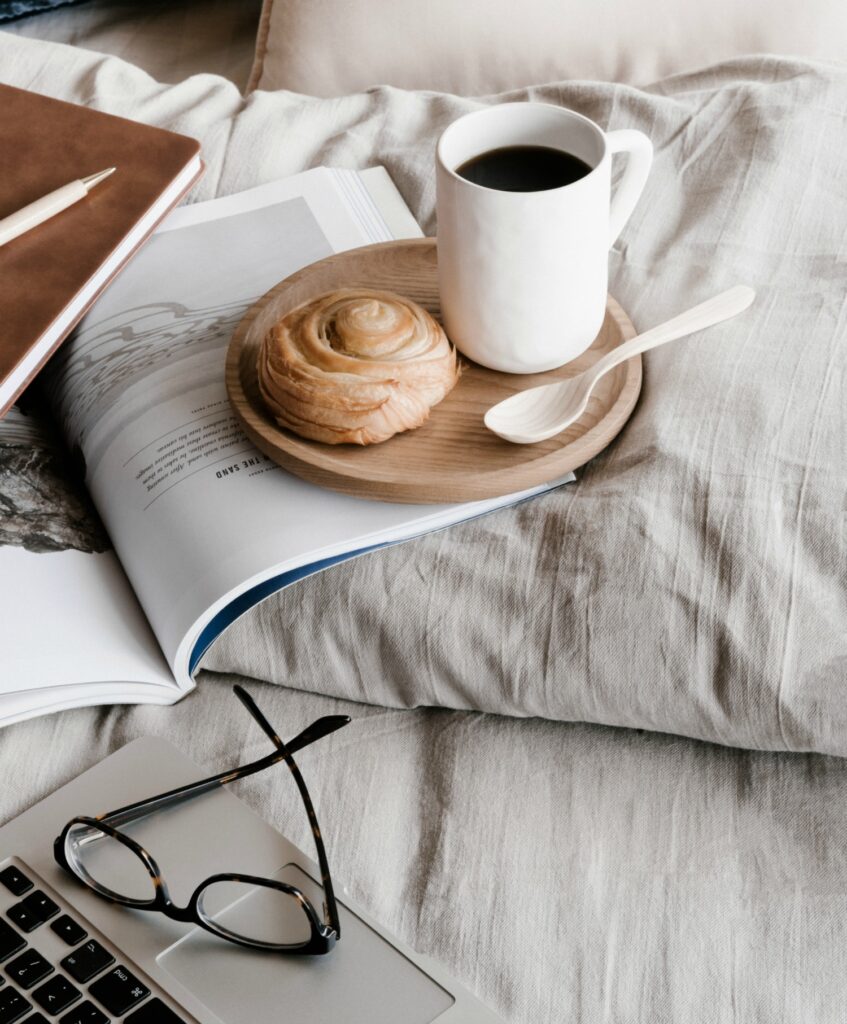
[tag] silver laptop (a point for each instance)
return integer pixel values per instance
(68, 955)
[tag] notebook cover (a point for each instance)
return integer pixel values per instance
(44, 144)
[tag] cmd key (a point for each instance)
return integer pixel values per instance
(119, 991)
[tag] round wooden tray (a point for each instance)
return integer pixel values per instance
(453, 456)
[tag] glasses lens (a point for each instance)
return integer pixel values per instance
(256, 913)
(107, 865)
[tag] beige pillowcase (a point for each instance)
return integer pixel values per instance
(475, 47)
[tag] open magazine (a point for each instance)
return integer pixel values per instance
(138, 522)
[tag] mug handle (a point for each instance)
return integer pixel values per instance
(639, 150)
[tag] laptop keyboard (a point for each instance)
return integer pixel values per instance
(56, 969)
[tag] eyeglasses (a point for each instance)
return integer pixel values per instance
(261, 913)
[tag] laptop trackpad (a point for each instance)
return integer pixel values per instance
(364, 980)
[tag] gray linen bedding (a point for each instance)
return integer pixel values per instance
(565, 873)
(692, 581)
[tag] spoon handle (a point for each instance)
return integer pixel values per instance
(713, 311)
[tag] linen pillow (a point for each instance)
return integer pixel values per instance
(477, 47)
(694, 578)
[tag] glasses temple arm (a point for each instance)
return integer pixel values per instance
(330, 905)
(254, 709)
(140, 809)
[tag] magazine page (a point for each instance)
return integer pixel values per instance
(71, 629)
(198, 516)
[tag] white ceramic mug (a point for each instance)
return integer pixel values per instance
(523, 275)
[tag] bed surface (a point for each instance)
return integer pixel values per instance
(567, 872)
(563, 872)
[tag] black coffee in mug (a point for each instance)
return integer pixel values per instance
(523, 169)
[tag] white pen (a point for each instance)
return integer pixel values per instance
(48, 206)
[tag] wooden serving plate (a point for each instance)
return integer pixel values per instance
(453, 456)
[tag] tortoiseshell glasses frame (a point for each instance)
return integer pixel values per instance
(324, 932)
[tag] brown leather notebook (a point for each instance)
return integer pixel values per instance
(50, 275)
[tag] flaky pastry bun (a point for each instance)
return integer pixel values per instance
(355, 366)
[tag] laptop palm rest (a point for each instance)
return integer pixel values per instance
(364, 980)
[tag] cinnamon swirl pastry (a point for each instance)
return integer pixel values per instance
(355, 366)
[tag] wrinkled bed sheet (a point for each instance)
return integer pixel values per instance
(692, 581)
(565, 873)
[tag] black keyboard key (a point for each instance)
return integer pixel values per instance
(87, 961)
(12, 1006)
(68, 930)
(119, 991)
(28, 969)
(40, 905)
(10, 941)
(56, 995)
(85, 1013)
(154, 1012)
(15, 881)
(36, 1018)
(23, 918)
